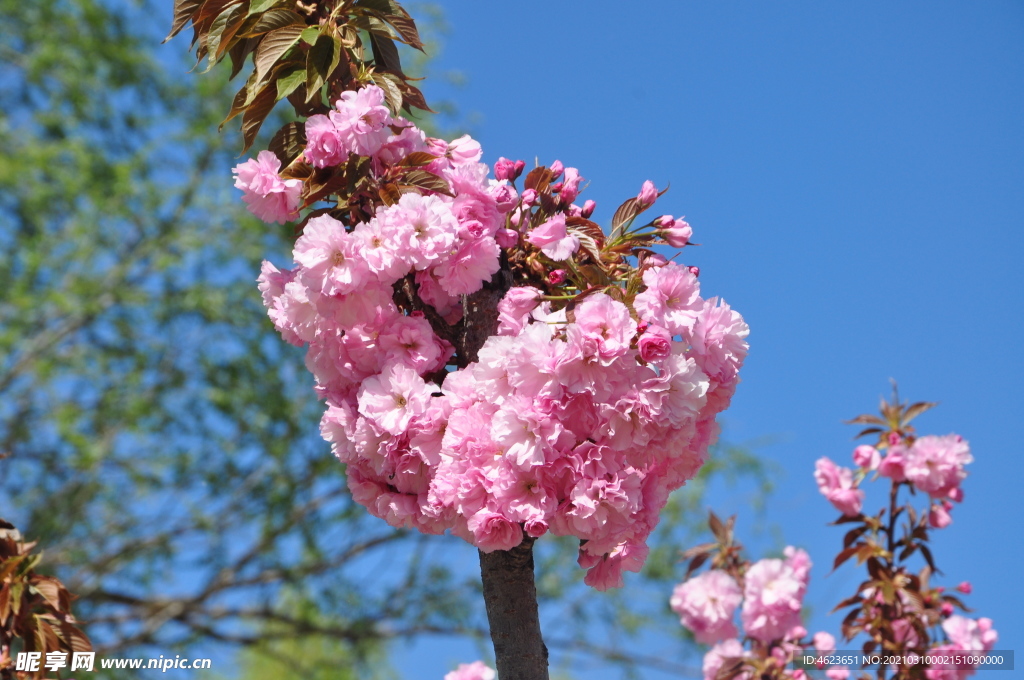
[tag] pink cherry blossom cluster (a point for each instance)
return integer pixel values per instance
(933, 465)
(896, 609)
(772, 596)
(579, 416)
(477, 670)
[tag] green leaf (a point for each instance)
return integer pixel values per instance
(288, 83)
(258, 6)
(310, 35)
(321, 60)
(273, 47)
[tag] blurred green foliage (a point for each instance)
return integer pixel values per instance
(163, 440)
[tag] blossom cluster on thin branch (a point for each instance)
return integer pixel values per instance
(896, 612)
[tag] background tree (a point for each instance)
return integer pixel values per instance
(163, 442)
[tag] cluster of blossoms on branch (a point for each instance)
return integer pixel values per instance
(901, 615)
(493, 363)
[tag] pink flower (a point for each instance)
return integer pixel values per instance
(588, 209)
(325, 144)
(468, 266)
(706, 605)
(773, 594)
(554, 240)
(492, 531)
(892, 465)
(718, 340)
(464, 150)
(514, 309)
(935, 465)
(330, 257)
(424, 228)
(824, 643)
(965, 587)
(717, 656)
(362, 120)
(269, 197)
(648, 194)
(836, 484)
(654, 344)
(393, 398)
(603, 328)
(867, 457)
(477, 670)
(672, 298)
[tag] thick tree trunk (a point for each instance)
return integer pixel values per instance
(511, 598)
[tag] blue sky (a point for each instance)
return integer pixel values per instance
(855, 173)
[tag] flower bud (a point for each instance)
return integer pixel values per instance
(939, 517)
(947, 609)
(957, 494)
(695, 270)
(557, 277)
(507, 238)
(518, 170)
(556, 169)
(677, 233)
(504, 169)
(867, 457)
(529, 197)
(588, 209)
(571, 186)
(965, 587)
(648, 194)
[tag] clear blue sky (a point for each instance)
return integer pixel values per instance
(855, 173)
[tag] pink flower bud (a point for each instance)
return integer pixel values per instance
(677, 233)
(695, 270)
(894, 439)
(957, 494)
(571, 186)
(939, 517)
(965, 587)
(946, 609)
(504, 169)
(648, 194)
(655, 343)
(556, 169)
(588, 209)
(519, 167)
(557, 277)
(507, 238)
(529, 197)
(867, 457)
(556, 187)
